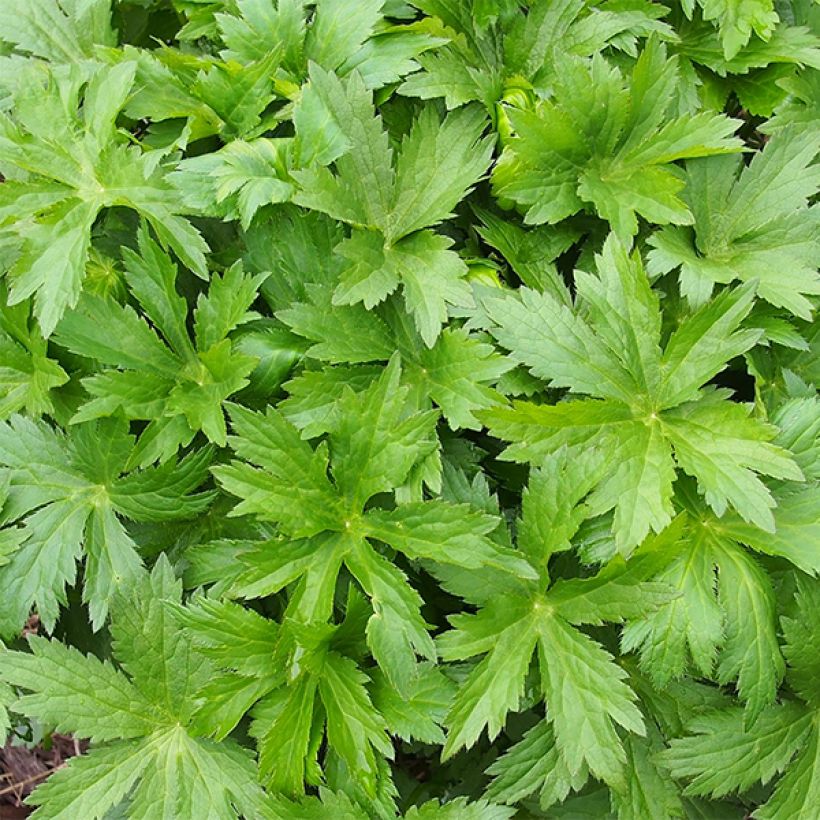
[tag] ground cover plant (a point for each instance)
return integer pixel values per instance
(408, 409)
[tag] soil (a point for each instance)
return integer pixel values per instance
(22, 769)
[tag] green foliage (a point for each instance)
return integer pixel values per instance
(138, 714)
(409, 409)
(605, 143)
(177, 384)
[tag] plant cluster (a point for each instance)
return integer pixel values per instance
(409, 408)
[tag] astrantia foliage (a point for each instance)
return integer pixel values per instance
(409, 409)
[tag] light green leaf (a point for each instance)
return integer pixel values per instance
(443, 532)
(724, 755)
(534, 763)
(724, 448)
(75, 692)
(419, 715)
(438, 164)
(494, 687)
(285, 466)
(586, 697)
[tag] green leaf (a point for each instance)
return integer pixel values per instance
(724, 448)
(396, 632)
(87, 696)
(700, 347)
(660, 636)
(77, 152)
(422, 529)
(800, 635)
(285, 713)
(587, 696)
(751, 223)
(438, 164)
(67, 498)
(374, 443)
(750, 653)
(419, 715)
(236, 181)
(496, 685)
(649, 788)
(179, 387)
(28, 376)
(458, 809)
(365, 173)
(144, 712)
(260, 28)
(59, 32)
(738, 19)
(354, 729)
(230, 635)
(534, 763)
(279, 455)
(340, 30)
(609, 143)
(238, 94)
(653, 404)
(92, 783)
(724, 755)
(432, 276)
(798, 791)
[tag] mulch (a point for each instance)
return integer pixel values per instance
(22, 769)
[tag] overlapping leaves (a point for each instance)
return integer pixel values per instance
(279, 283)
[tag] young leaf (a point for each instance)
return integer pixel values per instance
(77, 154)
(392, 205)
(70, 494)
(370, 451)
(647, 405)
(608, 142)
(176, 384)
(141, 721)
(751, 223)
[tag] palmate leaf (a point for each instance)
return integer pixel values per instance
(738, 20)
(138, 717)
(536, 764)
(299, 685)
(608, 143)
(648, 405)
(342, 37)
(176, 383)
(327, 698)
(723, 754)
(748, 225)
(391, 206)
(75, 163)
(418, 716)
(584, 689)
(374, 443)
(490, 53)
(725, 617)
(203, 95)
(70, 494)
(61, 32)
(236, 181)
(801, 104)
(28, 375)
(457, 372)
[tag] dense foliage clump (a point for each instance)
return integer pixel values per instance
(409, 408)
